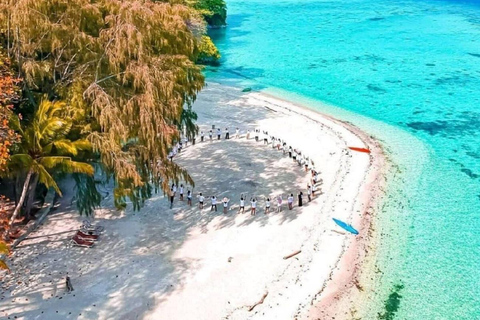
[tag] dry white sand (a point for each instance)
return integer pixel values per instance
(187, 263)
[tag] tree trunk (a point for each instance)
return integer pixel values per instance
(18, 187)
(31, 196)
(20, 202)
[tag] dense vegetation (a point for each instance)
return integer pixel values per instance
(107, 85)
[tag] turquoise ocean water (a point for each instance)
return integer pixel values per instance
(407, 72)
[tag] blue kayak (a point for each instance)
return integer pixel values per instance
(345, 226)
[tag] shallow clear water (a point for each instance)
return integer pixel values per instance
(411, 69)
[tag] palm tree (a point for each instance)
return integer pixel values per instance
(45, 151)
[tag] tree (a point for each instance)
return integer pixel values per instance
(45, 151)
(126, 68)
(214, 11)
(209, 54)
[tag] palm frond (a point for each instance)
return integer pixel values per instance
(21, 161)
(65, 147)
(45, 178)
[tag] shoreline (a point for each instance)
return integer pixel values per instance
(232, 259)
(339, 297)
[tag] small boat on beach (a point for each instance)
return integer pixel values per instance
(346, 226)
(359, 149)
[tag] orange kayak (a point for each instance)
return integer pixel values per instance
(359, 149)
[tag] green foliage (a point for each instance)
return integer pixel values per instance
(87, 196)
(392, 303)
(209, 54)
(214, 11)
(44, 148)
(187, 122)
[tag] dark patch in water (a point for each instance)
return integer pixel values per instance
(469, 173)
(430, 64)
(431, 128)
(392, 303)
(474, 54)
(467, 124)
(478, 197)
(376, 19)
(473, 154)
(312, 66)
(375, 88)
(393, 81)
(458, 78)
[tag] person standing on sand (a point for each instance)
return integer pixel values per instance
(256, 135)
(172, 196)
(279, 203)
(248, 134)
(290, 201)
(237, 133)
(214, 203)
(242, 204)
(290, 151)
(227, 134)
(201, 136)
(225, 204)
(201, 199)
(210, 134)
(253, 202)
(189, 198)
(219, 134)
(309, 193)
(300, 199)
(267, 206)
(294, 156)
(181, 192)
(314, 188)
(174, 189)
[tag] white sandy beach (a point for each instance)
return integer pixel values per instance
(186, 263)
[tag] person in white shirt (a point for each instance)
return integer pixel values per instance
(181, 192)
(214, 203)
(174, 189)
(267, 206)
(210, 134)
(279, 203)
(201, 199)
(201, 136)
(294, 155)
(219, 134)
(237, 133)
(242, 204)
(290, 201)
(253, 203)
(186, 141)
(248, 134)
(225, 202)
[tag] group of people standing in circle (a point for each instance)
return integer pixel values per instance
(278, 200)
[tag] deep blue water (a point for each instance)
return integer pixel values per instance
(407, 72)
